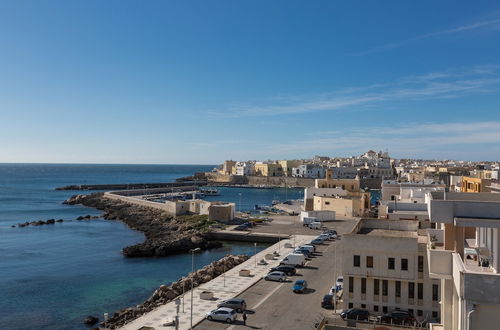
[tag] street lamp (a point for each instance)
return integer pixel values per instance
(239, 205)
(255, 253)
(192, 284)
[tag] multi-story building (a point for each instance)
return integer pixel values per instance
(244, 168)
(355, 204)
(329, 181)
(470, 184)
(309, 171)
(310, 192)
(385, 269)
(288, 165)
(464, 254)
(268, 169)
(228, 166)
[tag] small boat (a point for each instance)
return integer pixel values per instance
(210, 192)
(275, 201)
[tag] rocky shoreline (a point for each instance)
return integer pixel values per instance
(165, 294)
(165, 234)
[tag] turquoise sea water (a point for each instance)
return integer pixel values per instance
(52, 276)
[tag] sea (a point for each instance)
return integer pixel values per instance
(53, 276)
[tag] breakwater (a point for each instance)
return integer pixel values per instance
(165, 234)
(132, 186)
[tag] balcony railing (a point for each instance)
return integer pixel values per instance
(439, 259)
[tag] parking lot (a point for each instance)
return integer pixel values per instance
(273, 305)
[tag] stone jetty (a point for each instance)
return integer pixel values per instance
(165, 234)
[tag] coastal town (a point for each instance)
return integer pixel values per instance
(375, 241)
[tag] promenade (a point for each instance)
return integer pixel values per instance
(225, 286)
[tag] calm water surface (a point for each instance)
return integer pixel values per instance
(52, 276)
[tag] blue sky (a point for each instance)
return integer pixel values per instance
(203, 81)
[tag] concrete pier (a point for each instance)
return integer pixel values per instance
(225, 286)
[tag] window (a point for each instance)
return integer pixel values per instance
(363, 285)
(420, 291)
(404, 264)
(357, 261)
(398, 289)
(420, 312)
(351, 284)
(385, 285)
(327, 203)
(363, 305)
(384, 309)
(375, 308)
(411, 290)
(369, 262)
(435, 294)
(420, 264)
(390, 263)
(350, 305)
(411, 311)
(435, 315)
(376, 287)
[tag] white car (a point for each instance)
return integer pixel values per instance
(325, 236)
(222, 314)
(275, 276)
(340, 282)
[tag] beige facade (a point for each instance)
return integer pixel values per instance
(287, 165)
(352, 205)
(385, 268)
(228, 167)
(268, 169)
(352, 185)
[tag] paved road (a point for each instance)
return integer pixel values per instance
(273, 305)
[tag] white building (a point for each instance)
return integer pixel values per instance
(464, 254)
(309, 171)
(385, 269)
(244, 168)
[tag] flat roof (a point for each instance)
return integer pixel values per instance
(387, 233)
(466, 196)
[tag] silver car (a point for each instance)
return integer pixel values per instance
(222, 314)
(275, 276)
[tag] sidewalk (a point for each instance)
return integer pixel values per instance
(225, 286)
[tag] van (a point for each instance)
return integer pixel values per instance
(294, 259)
(315, 225)
(308, 220)
(309, 248)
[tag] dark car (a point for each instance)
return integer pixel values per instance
(397, 317)
(305, 252)
(237, 304)
(355, 314)
(328, 301)
(288, 270)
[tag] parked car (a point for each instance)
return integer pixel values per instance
(315, 225)
(331, 232)
(317, 241)
(237, 304)
(397, 317)
(311, 248)
(305, 252)
(340, 283)
(222, 314)
(355, 314)
(288, 270)
(275, 276)
(328, 301)
(300, 286)
(325, 237)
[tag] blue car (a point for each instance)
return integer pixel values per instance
(300, 286)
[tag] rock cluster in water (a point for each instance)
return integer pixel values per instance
(38, 223)
(165, 293)
(165, 234)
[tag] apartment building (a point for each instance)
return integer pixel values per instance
(471, 184)
(385, 269)
(464, 254)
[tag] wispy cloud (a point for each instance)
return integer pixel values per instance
(439, 139)
(449, 84)
(488, 24)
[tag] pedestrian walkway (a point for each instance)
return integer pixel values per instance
(225, 286)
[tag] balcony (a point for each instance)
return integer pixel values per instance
(439, 259)
(475, 283)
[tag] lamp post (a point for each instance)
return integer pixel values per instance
(279, 241)
(192, 284)
(239, 205)
(255, 253)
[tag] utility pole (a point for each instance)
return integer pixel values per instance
(255, 253)
(192, 282)
(177, 306)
